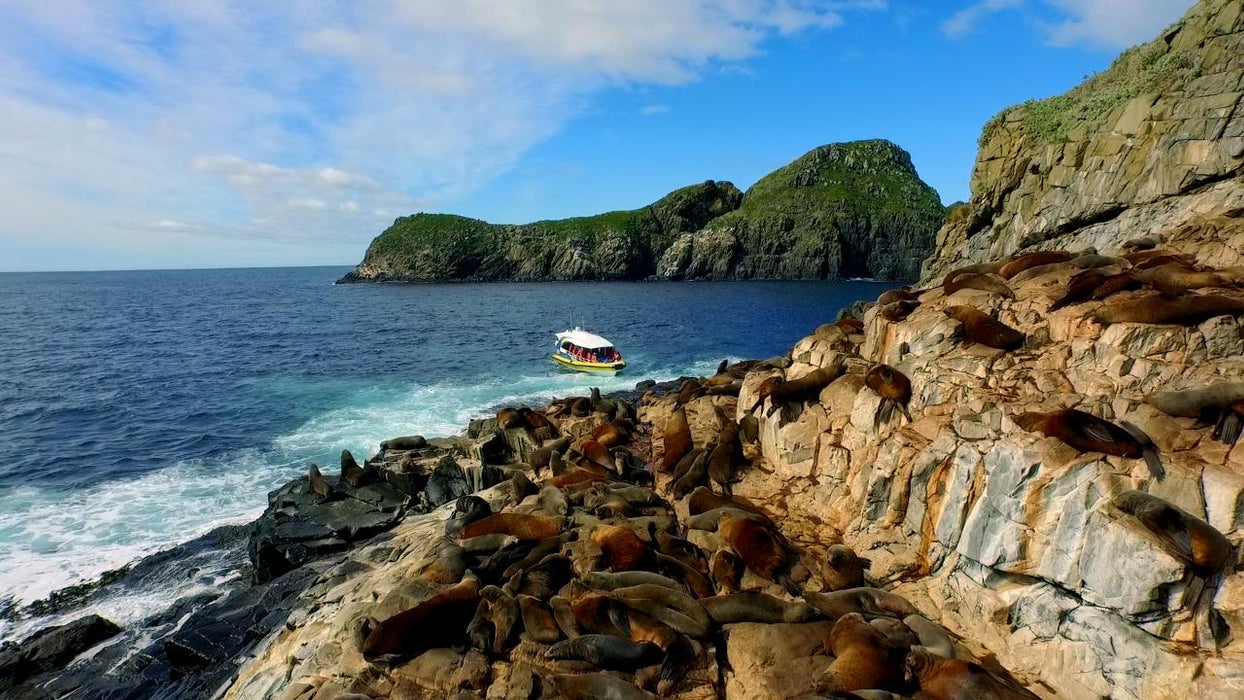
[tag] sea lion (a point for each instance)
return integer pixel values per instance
(721, 459)
(520, 525)
(553, 501)
(864, 657)
(623, 549)
(351, 472)
(508, 418)
(1141, 243)
(598, 686)
(681, 656)
(598, 454)
(761, 551)
(975, 280)
(957, 679)
(449, 565)
(702, 500)
(754, 606)
(1080, 287)
(467, 509)
(404, 443)
(599, 403)
(677, 439)
(613, 433)
(690, 575)
(436, 622)
(981, 268)
(1221, 404)
(695, 475)
(980, 327)
(893, 387)
(850, 325)
(678, 548)
(932, 636)
(539, 458)
(1088, 433)
(669, 606)
(1182, 259)
(722, 366)
(609, 581)
(1184, 535)
(727, 570)
(503, 613)
(845, 568)
(318, 484)
(711, 519)
(749, 429)
(521, 486)
(1114, 284)
(689, 391)
(684, 464)
(1018, 264)
(1158, 308)
(872, 602)
(581, 407)
(898, 311)
(1175, 278)
(893, 295)
(1088, 261)
(538, 622)
(807, 387)
(544, 578)
(536, 554)
(536, 420)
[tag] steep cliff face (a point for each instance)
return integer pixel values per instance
(1149, 144)
(843, 210)
(615, 245)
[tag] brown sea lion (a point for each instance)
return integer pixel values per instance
(520, 525)
(957, 679)
(1016, 265)
(542, 549)
(684, 464)
(1088, 433)
(677, 438)
(893, 295)
(981, 268)
(318, 484)
(754, 606)
(598, 686)
(932, 636)
(763, 552)
(581, 407)
(449, 565)
(845, 568)
(1080, 287)
(871, 602)
(608, 581)
(727, 570)
(597, 454)
(696, 581)
(521, 486)
(502, 613)
(1141, 243)
(1114, 284)
(605, 651)
(864, 657)
(1183, 259)
(595, 613)
(975, 280)
(894, 388)
(539, 625)
(850, 325)
(749, 429)
(710, 520)
(670, 607)
(1184, 535)
(436, 622)
(1089, 261)
(599, 403)
(722, 458)
(623, 549)
(1174, 278)
(807, 387)
(678, 548)
(681, 656)
(898, 311)
(351, 472)
(1221, 404)
(980, 327)
(404, 443)
(1158, 308)
(689, 391)
(696, 473)
(1143, 256)
(508, 418)
(539, 458)
(613, 433)
(703, 500)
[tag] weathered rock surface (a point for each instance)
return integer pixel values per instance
(48, 650)
(842, 210)
(1154, 142)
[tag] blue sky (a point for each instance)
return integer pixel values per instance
(212, 133)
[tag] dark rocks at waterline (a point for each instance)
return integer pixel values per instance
(51, 649)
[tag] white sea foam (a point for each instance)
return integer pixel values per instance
(50, 539)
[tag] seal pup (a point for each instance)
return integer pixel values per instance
(677, 439)
(979, 327)
(1184, 535)
(1016, 265)
(318, 484)
(993, 284)
(872, 602)
(894, 388)
(436, 622)
(1088, 433)
(405, 443)
(1159, 308)
(760, 549)
(957, 679)
(845, 568)
(754, 606)
(864, 657)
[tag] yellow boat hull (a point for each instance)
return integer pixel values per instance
(593, 367)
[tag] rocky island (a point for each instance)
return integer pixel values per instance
(842, 210)
(1021, 478)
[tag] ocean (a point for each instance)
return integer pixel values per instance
(139, 410)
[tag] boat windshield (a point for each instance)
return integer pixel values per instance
(599, 355)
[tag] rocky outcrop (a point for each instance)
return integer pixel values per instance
(1154, 142)
(843, 210)
(48, 650)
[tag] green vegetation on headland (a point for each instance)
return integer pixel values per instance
(854, 209)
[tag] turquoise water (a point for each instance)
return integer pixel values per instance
(140, 409)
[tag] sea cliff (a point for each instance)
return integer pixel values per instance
(843, 210)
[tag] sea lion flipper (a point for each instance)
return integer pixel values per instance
(1227, 429)
(1148, 449)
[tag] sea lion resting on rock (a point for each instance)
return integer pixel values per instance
(438, 621)
(1186, 536)
(894, 388)
(520, 525)
(695, 474)
(975, 280)
(448, 566)
(605, 651)
(932, 636)
(598, 686)
(1023, 262)
(677, 438)
(957, 679)
(871, 602)
(318, 484)
(1158, 308)
(898, 311)
(406, 442)
(1175, 278)
(710, 520)
(624, 579)
(1088, 433)
(754, 606)
(864, 657)
(763, 552)
(1221, 404)
(508, 418)
(980, 327)
(807, 387)
(727, 570)
(845, 568)
(623, 549)
(538, 621)
(703, 499)
(668, 606)
(893, 295)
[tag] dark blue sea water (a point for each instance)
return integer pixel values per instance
(139, 409)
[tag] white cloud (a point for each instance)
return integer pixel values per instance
(652, 110)
(1113, 23)
(229, 118)
(965, 20)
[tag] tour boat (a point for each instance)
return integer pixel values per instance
(581, 351)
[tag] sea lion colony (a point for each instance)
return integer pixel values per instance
(621, 556)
